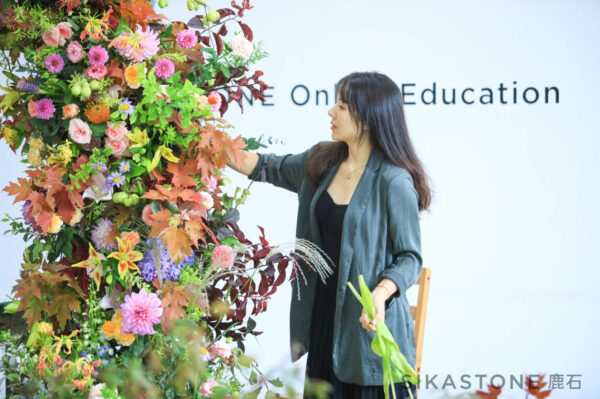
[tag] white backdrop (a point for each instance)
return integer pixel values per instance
(511, 233)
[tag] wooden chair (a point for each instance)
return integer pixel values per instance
(419, 313)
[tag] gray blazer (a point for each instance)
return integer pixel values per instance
(381, 238)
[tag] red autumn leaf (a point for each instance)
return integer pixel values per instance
(247, 31)
(21, 190)
(225, 12)
(114, 70)
(218, 42)
(183, 172)
(223, 30)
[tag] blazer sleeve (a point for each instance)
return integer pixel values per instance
(405, 234)
(286, 171)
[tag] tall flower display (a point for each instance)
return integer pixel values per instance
(136, 280)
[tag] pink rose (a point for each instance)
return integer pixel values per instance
(79, 131)
(116, 133)
(222, 256)
(241, 46)
(119, 146)
(74, 52)
(52, 37)
(70, 110)
(96, 72)
(65, 30)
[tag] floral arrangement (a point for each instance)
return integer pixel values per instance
(137, 281)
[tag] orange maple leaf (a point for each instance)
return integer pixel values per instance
(136, 12)
(21, 190)
(183, 172)
(492, 394)
(178, 243)
(535, 387)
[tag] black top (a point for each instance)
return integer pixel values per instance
(330, 217)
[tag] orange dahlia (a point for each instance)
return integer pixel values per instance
(132, 76)
(97, 112)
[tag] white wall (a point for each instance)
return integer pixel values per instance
(511, 233)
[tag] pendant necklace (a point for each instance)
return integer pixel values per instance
(348, 175)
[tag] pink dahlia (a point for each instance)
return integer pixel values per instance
(223, 256)
(44, 109)
(138, 46)
(97, 55)
(140, 312)
(96, 72)
(186, 38)
(54, 63)
(164, 68)
(214, 99)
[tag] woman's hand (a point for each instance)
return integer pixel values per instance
(379, 297)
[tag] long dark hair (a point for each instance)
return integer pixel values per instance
(375, 103)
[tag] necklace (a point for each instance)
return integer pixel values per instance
(349, 174)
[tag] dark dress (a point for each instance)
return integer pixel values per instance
(319, 364)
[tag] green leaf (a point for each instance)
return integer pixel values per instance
(98, 129)
(166, 33)
(225, 70)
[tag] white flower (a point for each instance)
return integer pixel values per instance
(96, 192)
(241, 46)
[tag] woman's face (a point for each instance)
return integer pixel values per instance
(343, 127)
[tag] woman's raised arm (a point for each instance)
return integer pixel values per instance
(249, 161)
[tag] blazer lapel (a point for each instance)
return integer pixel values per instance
(354, 211)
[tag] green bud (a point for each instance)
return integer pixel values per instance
(119, 197)
(213, 16)
(163, 3)
(95, 85)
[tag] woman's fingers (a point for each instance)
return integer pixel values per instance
(364, 321)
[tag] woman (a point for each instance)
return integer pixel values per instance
(359, 200)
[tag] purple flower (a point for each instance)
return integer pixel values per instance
(98, 56)
(124, 167)
(126, 107)
(26, 208)
(99, 167)
(158, 254)
(164, 68)
(103, 235)
(186, 38)
(115, 179)
(54, 63)
(44, 109)
(28, 87)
